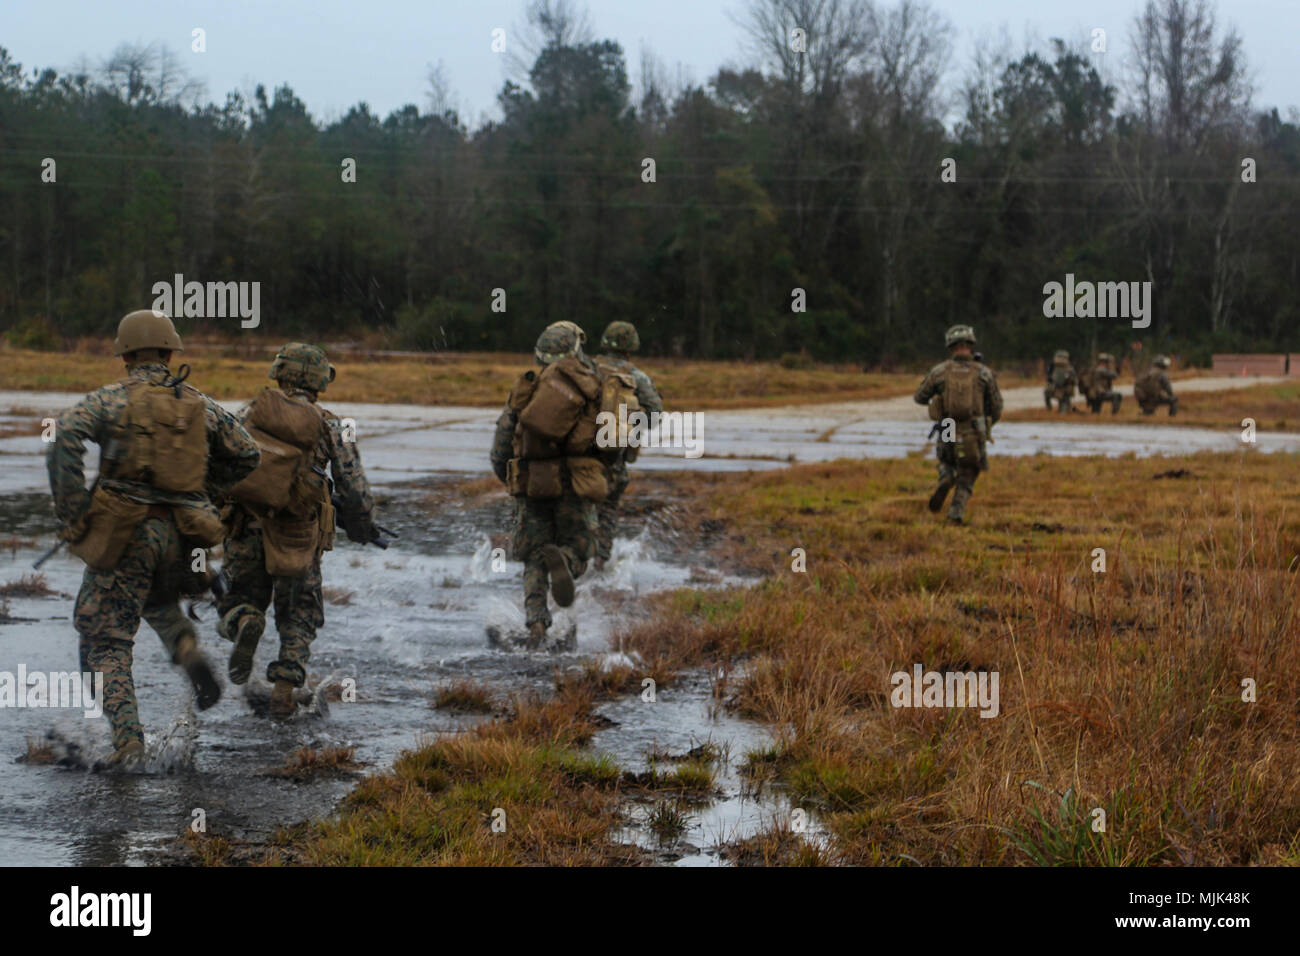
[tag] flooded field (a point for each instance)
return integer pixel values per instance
(401, 623)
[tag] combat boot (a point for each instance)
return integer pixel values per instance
(561, 578)
(125, 757)
(940, 494)
(243, 625)
(1114, 404)
(1047, 400)
(957, 510)
(206, 689)
(282, 703)
(536, 635)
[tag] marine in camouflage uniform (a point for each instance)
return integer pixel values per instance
(1098, 385)
(155, 567)
(301, 372)
(620, 341)
(1061, 380)
(1154, 389)
(957, 466)
(553, 537)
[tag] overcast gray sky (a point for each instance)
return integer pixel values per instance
(335, 53)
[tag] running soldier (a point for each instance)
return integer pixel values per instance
(1154, 389)
(544, 451)
(281, 518)
(965, 401)
(619, 342)
(166, 451)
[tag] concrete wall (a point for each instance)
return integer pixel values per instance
(1254, 365)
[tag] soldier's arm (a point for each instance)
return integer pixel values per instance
(349, 476)
(65, 460)
(992, 399)
(232, 452)
(647, 394)
(503, 443)
(927, 389)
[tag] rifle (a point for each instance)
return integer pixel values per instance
(218, 584)
(381, 537)
(48, 554)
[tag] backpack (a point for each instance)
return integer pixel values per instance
(963, 397)
(166, 435)
(286, 431)
(618, 390)
(1147, 388)
(562, 393)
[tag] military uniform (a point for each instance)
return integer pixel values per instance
(299, 604)
(1061, 382)
(962, 459)
(1154, 388)
(1098, 385)
(621, 338)
(554, 536)
(154, 567)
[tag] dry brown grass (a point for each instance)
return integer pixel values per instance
(465, 696)
(29, 585)
(1120, 691)
(473, 378)
(308, 762)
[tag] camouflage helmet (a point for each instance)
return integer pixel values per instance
(302, 365)
(146, 329)
(1061, 356)
(620, 336)
(558, 340)
(1105, 357)
(959, 333)
(1161, 361)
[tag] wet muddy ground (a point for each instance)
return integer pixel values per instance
(401, 623)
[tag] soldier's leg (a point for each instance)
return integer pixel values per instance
(181, 638)
(944, 452)
(1115, 399)
(107, 615)
(576, 529)
(534, 528)
(1173, 406)
(607, 513)
(248, 593)
(299, 612)
(1047, 397)
(967, 473)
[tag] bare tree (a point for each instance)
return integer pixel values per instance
(1186, 82)
(547, 23)
(149, 74)
(833, 42)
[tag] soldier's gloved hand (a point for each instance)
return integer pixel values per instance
(359, 528)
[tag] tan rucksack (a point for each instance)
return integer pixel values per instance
(166, 437)
(963, 397)
(562, 394)
(286, 431)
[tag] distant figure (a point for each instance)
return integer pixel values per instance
(619, 342)
(1098, 384)
(545, 453)
(964, 399)
(1154, 389)
(1061, 380)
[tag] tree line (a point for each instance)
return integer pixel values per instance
(838, 194)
